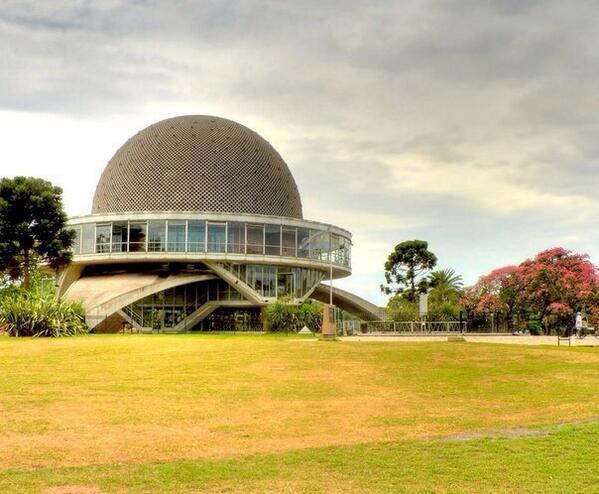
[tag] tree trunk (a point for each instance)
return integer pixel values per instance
(26, 273)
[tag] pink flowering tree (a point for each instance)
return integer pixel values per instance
(493, 292)
(550, 287)
(555, 284)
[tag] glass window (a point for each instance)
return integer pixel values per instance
(103, 237)
(119, 237)
(340, 249)
(157, 236)
(236, 237)
(254, 277)
(223, 290)
(76, 247)
(346, 251)
(137, 236)
(176, 236)
(217, 235)
(88, 239)
(288, 242)
(196, 236)
(319, 244)
(270, 281)
(303, 242)
(272, 234)
(285, 284)
(255, 239)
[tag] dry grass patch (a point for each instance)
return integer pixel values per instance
(130, 399)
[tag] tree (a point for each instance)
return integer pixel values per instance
(549, 288)
(407, 267)
(494, 292)
(32, 227)
(555, 284)
(446, 286)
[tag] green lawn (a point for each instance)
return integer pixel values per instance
(263, 413)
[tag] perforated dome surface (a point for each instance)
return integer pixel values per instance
(197, 163)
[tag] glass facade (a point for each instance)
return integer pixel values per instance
(137, 236)
(170, 307)
(120, 235)
(255, 239)
(236, 237)
(176, 236)
(207, 236)
(272, 240)
(217, 237)
(276, 281)
(157, 236)
(196, 236)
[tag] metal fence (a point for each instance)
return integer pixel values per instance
(401, 327)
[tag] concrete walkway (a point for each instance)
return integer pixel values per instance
(504, 339)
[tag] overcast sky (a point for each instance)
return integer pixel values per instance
(471, 124)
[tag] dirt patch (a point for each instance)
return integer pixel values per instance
(515, 432)
(72, 489)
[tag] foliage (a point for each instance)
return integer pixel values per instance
(492, 293)
(446, 287)
(558, 316)
(407, 267)
(444, 311)
(33, 227)
(534, 326)
(37, 313)
(445, 290)
(285, 317)
(548, 288)
(399, 308)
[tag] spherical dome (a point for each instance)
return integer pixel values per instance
(197, 163)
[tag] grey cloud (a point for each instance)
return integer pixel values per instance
(359, 86)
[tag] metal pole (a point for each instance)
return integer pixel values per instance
(331, 268)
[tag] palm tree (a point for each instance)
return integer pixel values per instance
(446, 285)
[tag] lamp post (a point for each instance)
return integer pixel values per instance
(330, 267)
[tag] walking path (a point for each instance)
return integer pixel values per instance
(505, 339)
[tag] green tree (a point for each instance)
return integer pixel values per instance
(32, 227)
(407, 267)
(446, 286)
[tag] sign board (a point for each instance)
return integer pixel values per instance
(329, 329)
(423, 304)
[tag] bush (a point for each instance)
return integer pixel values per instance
(284, 317)
(534, 326)
(401, 309)
(37, 314)
(445, 311)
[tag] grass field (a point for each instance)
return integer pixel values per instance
(264, 413)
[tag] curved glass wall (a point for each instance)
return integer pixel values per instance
(276, 281)
(211, 236)
(169, 308)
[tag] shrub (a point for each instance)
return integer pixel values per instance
(534, 326)
(401, 309)
(284, 317)
(445, 311)
(37, 314)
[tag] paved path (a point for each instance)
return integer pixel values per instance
(505, 339)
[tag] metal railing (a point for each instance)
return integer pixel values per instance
(402, 327)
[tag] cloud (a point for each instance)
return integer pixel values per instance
(472, 124)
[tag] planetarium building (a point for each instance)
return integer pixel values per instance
(196, 224)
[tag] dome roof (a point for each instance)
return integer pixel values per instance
(197, 163)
